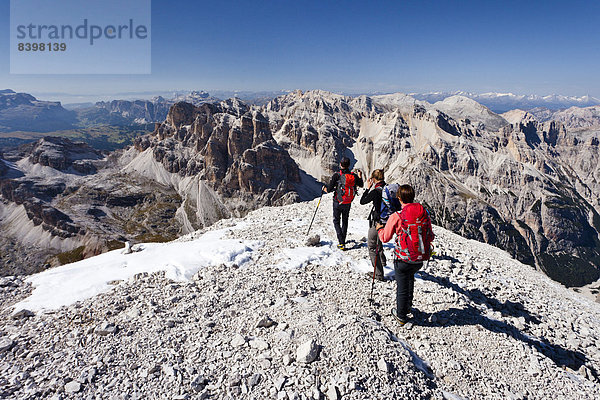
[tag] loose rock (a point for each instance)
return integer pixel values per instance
(307, 352)
(6, 344)
(106, 328)
(383, 365)
(265, 322)
(73, 387)
(23, 314)
(313, 241)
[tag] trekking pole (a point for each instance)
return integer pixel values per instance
(315, 214)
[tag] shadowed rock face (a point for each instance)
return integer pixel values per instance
(34, 197)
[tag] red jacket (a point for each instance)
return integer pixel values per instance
(393, 226)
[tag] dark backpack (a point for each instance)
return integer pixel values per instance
(346, 188)
(413, 243)
(389, 201)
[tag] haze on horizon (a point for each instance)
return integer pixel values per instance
(355, 47)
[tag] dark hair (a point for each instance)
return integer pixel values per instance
(377, 174)
(345, 163)
(406, 194)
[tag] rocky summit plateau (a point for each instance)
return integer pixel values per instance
(523, 181)
(250, 311)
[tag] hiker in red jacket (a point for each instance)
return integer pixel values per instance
(344, 183)
(412, 227)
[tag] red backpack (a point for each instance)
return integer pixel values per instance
(346, 188)
(413, 242)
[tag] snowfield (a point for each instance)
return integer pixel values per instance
(246, 309)
(67, 284)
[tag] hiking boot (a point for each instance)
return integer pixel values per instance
(415, 312)
(341, 247)
(401, 321)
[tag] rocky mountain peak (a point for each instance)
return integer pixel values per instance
(310, 101)
(461, 107)
(228, 146)
(578, 118)
(518, 116)
(64, 155)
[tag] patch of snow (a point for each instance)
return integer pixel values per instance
(81, 280)
(300, 257)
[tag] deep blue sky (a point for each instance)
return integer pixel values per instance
(523, 47)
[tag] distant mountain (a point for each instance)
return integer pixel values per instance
(461, 107)
(23, 112)
(125, 112)
(131, 112)
(78, 106)
(573, 118)
(502, 102)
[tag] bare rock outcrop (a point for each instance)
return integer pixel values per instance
(227, 145)
(64, 155)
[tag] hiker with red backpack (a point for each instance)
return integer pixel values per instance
(344, 183)
(412, 227)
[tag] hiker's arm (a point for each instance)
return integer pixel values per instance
(359, 181)
(333, 182)
(387, 232)
(368, 196)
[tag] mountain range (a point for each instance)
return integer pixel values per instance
(23, 112)
(502, 102)
(524, 181)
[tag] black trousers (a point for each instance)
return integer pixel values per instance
(405, 286)
(341, 211)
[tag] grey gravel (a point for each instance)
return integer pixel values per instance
(465, 341)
